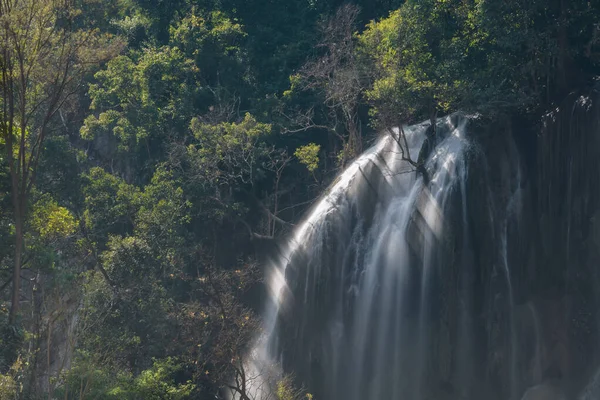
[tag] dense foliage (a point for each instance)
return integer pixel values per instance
(151, 151)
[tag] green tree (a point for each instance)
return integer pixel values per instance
(493, 57)
(413, 57)
(88, 380)
(223, 168)
(44, 57)
(110, 206)
(140, 103)
(309, 156)
(215, 43)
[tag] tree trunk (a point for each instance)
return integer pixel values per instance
(16, 291)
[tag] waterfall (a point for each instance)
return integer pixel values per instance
(455, 282)
(356, 295)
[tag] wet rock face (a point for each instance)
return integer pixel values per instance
(592, 390)
(544, 342)
(552, 244)
(545, 391)
(567, 187)
(567, 202)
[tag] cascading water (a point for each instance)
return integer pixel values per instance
(449, 283)
(356, 296)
